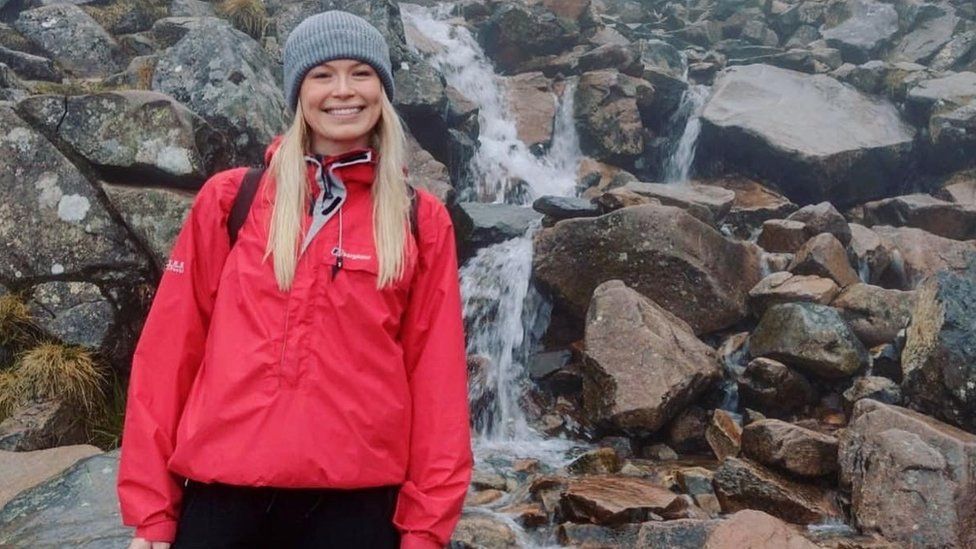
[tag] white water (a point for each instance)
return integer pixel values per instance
(678, 164)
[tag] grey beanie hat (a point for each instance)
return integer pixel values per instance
(333, 35)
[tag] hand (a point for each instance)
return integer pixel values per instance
(143, 543)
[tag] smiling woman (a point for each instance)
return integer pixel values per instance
(303, 385)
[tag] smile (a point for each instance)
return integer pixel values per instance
(344, 111)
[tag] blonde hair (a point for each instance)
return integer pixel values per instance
(391, 201)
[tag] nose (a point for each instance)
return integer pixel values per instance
(343, 86)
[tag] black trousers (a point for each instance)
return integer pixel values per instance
(222, 516)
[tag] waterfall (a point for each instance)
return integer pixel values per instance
(502, 310)
(688, 115)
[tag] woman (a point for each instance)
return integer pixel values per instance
(305, 386)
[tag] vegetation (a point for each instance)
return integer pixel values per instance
(53, 370)
(17, 330)
(248, 16)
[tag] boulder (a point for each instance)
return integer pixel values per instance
(941, 94)
(951, 139)
(41, 425)
(875, 314)
(773, 388)
(790, 448)
(928, 36)
(870, 255)
(876, 388)
(642, 365)
(570, 534)
(960, 188)
(421, 99)
(480, 224)
(741, 484)
(558, 208)
(675, 534)
(52, 221)
(956, 55)
(514, 33)
(724, 435)
(30, 67)
(609, 500)
(22, 470)
(750, 529)
(911, 477)
(72, 38)
(78, 508)
(426, 172)
(533, 105)
(870, 28)
(851, 147)
(783, 287)
(809, 336)
(602, 461)
(753, 204)
(920, 254)
(939, 358)
(824, 256)
(154, 215)
(226, 77)
(922, 211)
(782, 236)
(74, 312)
(707, 203)
(135, 135)
(686, 432)
(823, 218)
(687, 267)
(608, 109)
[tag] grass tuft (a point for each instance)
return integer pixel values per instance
(105, 426)
(17, 330)
(248, 16)
(52, 370)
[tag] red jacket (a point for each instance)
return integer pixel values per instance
(331, 384)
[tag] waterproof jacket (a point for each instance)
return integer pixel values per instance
(332, 384)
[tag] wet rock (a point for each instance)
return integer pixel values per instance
(154, 215)
(810, 336)
(754, 204)
(421, 99)
(479, 224)
(20, 471)
(601, 461)
(783, 287)
(74, 312)
(870, 28)
(760, 107)
(58, 29)
(876, 388)
(886, 359)
(775, 389)
(618, 198)
(705, 202)
(911, 477)
(608, 108)
(30, 67)
(920, 254)
(790, 448)
(642, 364)
(51, 220)
(78, 508)
(687, 267)
(609, 500)
(558, 208)
(869, 253)
(427, 173)
(948, 219)
(782, 236)
(686, 432)
(675, 534)
(823, 218)
(534, 107)
(876, 315)
(939, 359)
(41, 425)
(138, 135)
(514, 33)
(724, 435)
(665, 68)
(474, 531)
(622, 57)
(755, 529)
(226, 77)
(741, 484)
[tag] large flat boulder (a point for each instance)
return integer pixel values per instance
(22, 470)
(813, 137)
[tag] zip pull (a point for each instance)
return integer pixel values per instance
(337, 252)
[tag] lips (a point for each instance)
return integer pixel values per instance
(343, 111)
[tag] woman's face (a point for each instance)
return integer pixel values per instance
(341, 103)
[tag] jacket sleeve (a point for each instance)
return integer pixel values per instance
(430, 501)
(166, 360)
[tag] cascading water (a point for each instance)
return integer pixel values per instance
(678, 164)
(501, 307)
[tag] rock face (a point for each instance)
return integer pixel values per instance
(78, 508)
(155, 216)
(852, 147)
(134, 135)
(939, 359)
(790, 448)
(22, 470)
(740, 484)
(642, 364)
(608, 108)
(686, 267)
(51, 220)
(72, 38)
(224, 76)
(911, 477)
(809, 336)
(534, 107)
(74, 312)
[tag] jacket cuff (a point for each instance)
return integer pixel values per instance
(158, 531)
(411, 540)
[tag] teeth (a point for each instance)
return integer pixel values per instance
(348, 110)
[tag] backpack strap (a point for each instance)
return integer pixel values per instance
(242, 202)
(414, 208)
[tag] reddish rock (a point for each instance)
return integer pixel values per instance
(534, 106)
(642, 365)
(823, 218)
(877, 388)
(741, 484)
(960, 188)
(753, 203)
(751, 529)
(784, 287)
(824, 256)
(611, 500)
(723, 434)
(875, 314)
(22, 470)
(595, 462)
(790, 448)
(705, 202)
(921, 254)
(427, 173)
(948, 219)
(782, 236)
(622, 197)
(871, 256)
(773, 388)
(687, 432)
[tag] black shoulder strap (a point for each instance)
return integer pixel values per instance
(242, 202)
(414, 207)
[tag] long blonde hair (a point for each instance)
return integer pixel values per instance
(391, 201)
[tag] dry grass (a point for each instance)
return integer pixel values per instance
(17, 330)
(6, 396)
(248, 16)
(52, 370)
(105, 427)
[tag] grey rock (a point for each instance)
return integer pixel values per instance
(31, 67)
(53, 221)
(191, 8)
(72, 38)
(875, 314)
(22, 470)
(917, 254)
(852, 147)
(565, 207)
(675, 534)
(943, 93)
(40, 425)
(742, 484)
(809, 336)
(823, 218)
(514, 32)
(870, 28)
(134, 135)
(926, 39)
(167, 31)
(480, 224)
(773, 388)
(959, 54)
(608, 113)
(75, 312)
(154, 215)
(224, 76)
(951, 141)
(78, 508)
(876, 388)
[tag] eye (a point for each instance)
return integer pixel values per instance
(320, 75)
(363, 73)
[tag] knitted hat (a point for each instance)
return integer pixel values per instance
(333, 35)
